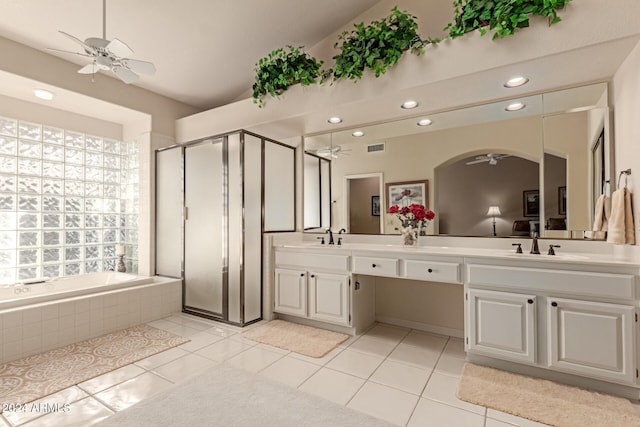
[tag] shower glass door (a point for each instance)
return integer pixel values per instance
(205, 251)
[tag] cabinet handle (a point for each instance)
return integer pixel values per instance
(530, 301)
(373, 265)
(554, 304)
(429, 270)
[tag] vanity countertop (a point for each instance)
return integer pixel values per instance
(503, 254)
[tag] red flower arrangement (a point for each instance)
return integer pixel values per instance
(414, 215)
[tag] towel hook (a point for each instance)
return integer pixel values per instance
(626, 175)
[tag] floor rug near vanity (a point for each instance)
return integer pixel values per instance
(543, 401)
(312, 342)
(37, 376)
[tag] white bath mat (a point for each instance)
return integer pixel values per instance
(34, 377)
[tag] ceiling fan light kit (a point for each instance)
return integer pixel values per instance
(110, 55)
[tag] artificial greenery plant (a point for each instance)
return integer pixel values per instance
(502, 16)
(377, 46)
(283, 68)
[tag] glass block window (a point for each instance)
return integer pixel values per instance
(67, 200)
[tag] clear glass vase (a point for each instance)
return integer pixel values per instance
(410, 236)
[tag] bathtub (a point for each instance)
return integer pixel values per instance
(64, 287)
(42, 316)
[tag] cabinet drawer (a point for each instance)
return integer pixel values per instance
(312, 261)
(376, 266)
(607, 285)
(433, 271)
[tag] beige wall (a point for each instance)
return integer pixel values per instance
(360, 192)
(626, 94)
(555, 176)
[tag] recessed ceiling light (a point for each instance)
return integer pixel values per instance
(515, 106)
(358, 133)
(516, 81)
(43, 94)
(335, 120)
(407, 105)
(425, 122)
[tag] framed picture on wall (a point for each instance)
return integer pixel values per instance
(562, 200)
(531, 203)
(407, 193)
(375, 205)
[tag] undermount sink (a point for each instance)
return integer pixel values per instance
(559, 256)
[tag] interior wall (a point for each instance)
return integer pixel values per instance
(462, 207)
(361, 220)
(626, 94)
(555, 176)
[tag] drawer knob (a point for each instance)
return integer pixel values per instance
(301, 274)
(430, 270)
(554, 304)
(313, 275)
(530, 301)
(373, 265)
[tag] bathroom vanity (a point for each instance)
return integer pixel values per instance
(572, 313)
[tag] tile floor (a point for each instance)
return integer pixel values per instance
(403, 376)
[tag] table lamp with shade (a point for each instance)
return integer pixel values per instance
(494, 211)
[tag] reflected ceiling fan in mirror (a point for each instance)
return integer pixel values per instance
(491, 158)
(332, 152)
(109, 55)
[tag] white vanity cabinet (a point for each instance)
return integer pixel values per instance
(555, 317)
(313, 285)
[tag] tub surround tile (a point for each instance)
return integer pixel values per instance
(50, 312)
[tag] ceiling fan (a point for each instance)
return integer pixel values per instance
(109, 55)
(332, 152)
(490, 157)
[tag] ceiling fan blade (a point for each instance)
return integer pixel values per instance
(68, 51)
(137, 66)
(104, 63)
(125, 74)
(88, 69)
(89, 49)
(119, 48)
(475, 162)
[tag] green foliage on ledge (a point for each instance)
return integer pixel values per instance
(377, 46)
(283, 68)
(502, 16)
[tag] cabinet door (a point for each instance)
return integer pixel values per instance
(329, 297)
(591, 338)
(502, 324)
(291, 292)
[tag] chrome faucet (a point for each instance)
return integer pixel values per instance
(331, 242)
(534, 245)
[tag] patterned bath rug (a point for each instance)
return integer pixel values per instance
(306, 340)
(543, 401)
(33, 377)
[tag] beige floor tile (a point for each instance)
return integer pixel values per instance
(243, 340)
(130, 392)
(3, 422)
(401, 376)
(373, 345)
(37, 408)
(319, 360)
(182, 330)
(435, 343)
(495, 423)
(442, 388)
(355, 363)
(455, 348)
(83, 413)
(200, 340)
(431, 413)
(161, 358)
(222, 350)
(511, 420)
(384, 402)
(254, 359)
(415, 356)
(273, 349)
(448, 365)
(110, 379)
(220, 331)
(290, 371)
(332, 385)
(387, 332)
(184, 367)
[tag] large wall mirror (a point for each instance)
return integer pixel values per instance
(485, 171)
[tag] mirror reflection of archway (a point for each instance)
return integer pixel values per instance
(468, 184)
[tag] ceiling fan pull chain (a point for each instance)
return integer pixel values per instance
(104, 19)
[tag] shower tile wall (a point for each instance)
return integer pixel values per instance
(66, 200)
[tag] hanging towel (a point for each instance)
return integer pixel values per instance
(602, 215)
(629, 230)
(621, 222)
